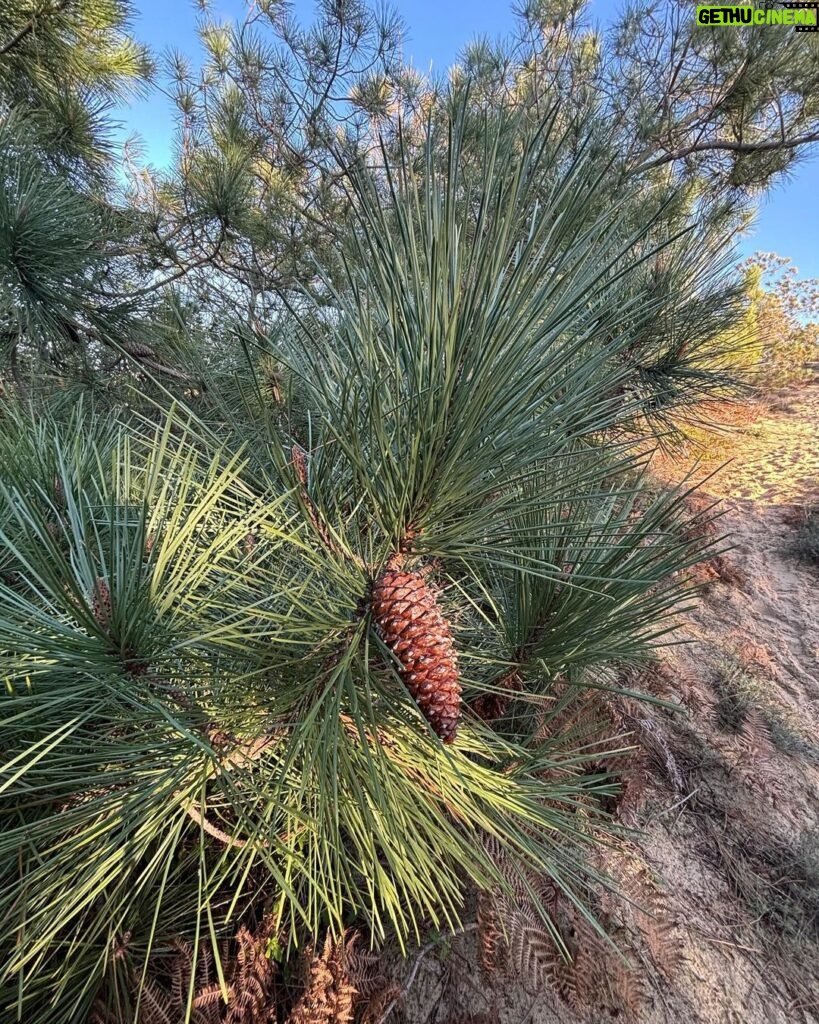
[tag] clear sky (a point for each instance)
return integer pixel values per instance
(788, 221)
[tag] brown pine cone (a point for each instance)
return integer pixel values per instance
(412, 626)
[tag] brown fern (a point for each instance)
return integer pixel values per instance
(366, 970)
(252, 982)
(755, 737)
(491, 706)
(627, 986)
(662, 937)
(156, 1006)
(470, 1018)
(586, 967)
(378, 1005)
(491, 943)
(329, 995)
(250, 995)
(532, 953)
(641, 906)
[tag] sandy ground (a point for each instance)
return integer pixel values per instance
(729, 852)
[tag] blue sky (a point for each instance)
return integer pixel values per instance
(788, 222)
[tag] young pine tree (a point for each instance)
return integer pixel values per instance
(292, 655)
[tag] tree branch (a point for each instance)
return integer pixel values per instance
(734, 147)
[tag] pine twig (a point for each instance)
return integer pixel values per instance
(299, 459)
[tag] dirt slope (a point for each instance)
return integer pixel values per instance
(729, 862)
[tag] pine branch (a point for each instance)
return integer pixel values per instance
(30, 25)
(734, 147)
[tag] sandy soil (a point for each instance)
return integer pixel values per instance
(729, 853)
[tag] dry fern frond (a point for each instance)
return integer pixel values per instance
(634, 791)
(365, 968)
(188, 975)
(532, 952)
(491, 941)
(529, 928)
(655, 742)
(627, 986)
(641, 908)
(662, 937)
(755, 737)
(208, 997)
(156, 1006)
(166, 1003)
(377, 1005)
(588, 971)
(470, 1018)
(252, 979)
(491, 706)
(512, 934)
(329, 995)
(728, 572)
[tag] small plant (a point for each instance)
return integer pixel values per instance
(735, 698)
(789, 740)
(805, 542)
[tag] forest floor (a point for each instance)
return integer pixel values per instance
(724, 872)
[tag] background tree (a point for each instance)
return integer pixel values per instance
(63, 63)
(253, 200)
(277, 112)
(786, 308)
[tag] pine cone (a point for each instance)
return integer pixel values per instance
(410, 621)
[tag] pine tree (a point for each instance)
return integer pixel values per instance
(66, 289)
(322, 529)
(201, 730)
(257, 196)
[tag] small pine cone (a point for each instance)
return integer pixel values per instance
(139, 350)
(101, 603)
(410, 621)
(271, 378)
(249, 544)
(274, 387)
